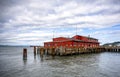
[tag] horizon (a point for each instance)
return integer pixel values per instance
(33, 22)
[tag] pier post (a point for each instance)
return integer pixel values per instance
(53, 52)
(117, 49)
(41, 53)
(38, 50)
(24, 54)
(34, 50)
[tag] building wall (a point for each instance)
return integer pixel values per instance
(70, 44)
(65, 42)
(60, 39)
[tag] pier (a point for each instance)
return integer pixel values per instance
(74, 50)
(78, 44)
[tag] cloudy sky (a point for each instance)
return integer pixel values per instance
(32, 22)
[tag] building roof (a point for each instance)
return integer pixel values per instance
(85, 37)
(64, 39)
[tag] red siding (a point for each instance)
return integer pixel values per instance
(60, 39)
(66, 42)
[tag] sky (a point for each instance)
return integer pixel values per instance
(33, 22)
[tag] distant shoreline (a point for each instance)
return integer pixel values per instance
(14, 46)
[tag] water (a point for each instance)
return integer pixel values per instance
(104, 64)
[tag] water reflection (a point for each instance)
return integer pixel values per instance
(25, 62)
(35, 58)
(38, 57)
(109, 64)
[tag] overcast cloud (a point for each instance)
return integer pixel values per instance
(32, 22)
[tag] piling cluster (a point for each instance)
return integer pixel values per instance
(61, 51)
(75, 50)
(71, 51)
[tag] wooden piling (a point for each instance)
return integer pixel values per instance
(53, 52)
(24, 54)
(38, 50)
(34, 50)
(74, 50)
(41, 53)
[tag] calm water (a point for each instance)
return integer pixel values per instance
(85, 65)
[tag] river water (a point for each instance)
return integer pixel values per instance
(105, 64)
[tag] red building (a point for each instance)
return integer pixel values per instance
(75, 41)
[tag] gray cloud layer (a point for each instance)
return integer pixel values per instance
(33, 21)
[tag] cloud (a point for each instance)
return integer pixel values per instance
(33, 21)
(107, 35)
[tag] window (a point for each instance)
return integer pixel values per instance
(74, 44)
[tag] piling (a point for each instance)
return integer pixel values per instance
(38, 50)
(24, 54)
(53, 52)
(72, 50)
(34, 50)
(41, 53)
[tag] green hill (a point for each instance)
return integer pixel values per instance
(112, 44)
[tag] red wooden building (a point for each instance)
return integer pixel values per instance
(75, 41)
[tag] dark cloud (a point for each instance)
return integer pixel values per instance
(7, 4)
(113, 2)
(8, 11)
